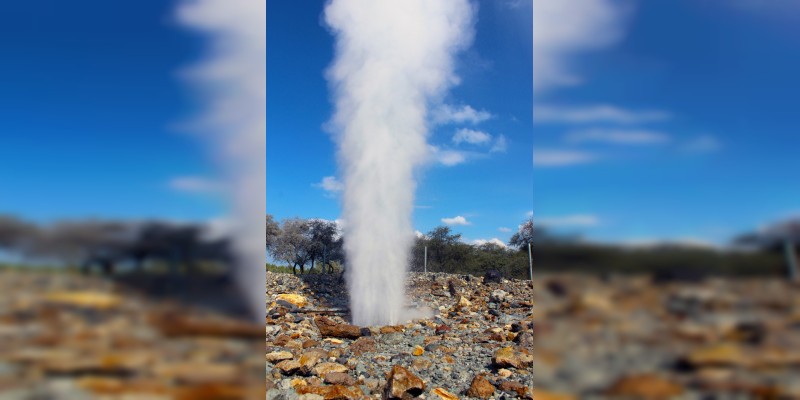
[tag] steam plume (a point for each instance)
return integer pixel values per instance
(393, 60)
(232, 80)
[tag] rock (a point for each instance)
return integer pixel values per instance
(463, 303)
(310, 358)
(645, 386)
(493, 276)
(363, 345)
(418, 351)
(278, 356)
(329, 328)
(288, 367)
(508, 357)
(517, 388)
(444, 394)
(524, 340)
(333, 392)
(84, 299)
(540, 394)
(402, 384)
(721, 355)
(498, 296)
(504, 373)
(323, 369)
(339, 378)
(385, 330)
(480, 388)
(293, 299)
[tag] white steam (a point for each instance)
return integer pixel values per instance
(394, 59)
(232, 79)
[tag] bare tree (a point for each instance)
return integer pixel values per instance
(294, 243)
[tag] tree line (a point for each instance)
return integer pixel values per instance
(314, 243)
(107, 244)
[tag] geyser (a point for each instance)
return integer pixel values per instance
(394, 59)
(232, 79)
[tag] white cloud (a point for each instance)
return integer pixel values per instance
(504, 229)
(419, 234)
(330, 184)
(451, 158)
(618, 136)
(702, 144)
(595, 114)
(447, 157)
(457, 220)
(495, 241)
(569, 221)
(447, 114)
(561, 158)
(500, 145)
(563, 29)
(471, 136)
(195, 184)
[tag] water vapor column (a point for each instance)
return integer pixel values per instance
(394, 58)
(232, 80)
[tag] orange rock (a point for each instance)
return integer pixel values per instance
(645, 386)
(400, 382)
(333, 392)
(480, 388)
(418, 351)
(721, 355)
(329, 328)
(539, 394)
(444, 394)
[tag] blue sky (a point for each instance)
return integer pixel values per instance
(653, 119)
(482, 175)
(679, 121)
(89, 108)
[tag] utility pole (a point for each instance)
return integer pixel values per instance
(426, 259)
(530, 260)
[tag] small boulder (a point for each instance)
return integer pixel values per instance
(402, 384)
(480, 388)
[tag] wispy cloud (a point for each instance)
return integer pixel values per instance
(330, 184)
(471, 136)
(447, 157)
(500, 145)
(602, 113)
(457, 220)
(617, 136)
(702, 144)
(563, 29)
(569, 221)
(561, 158)
(195, 184)
(504, 229)
(447, 114)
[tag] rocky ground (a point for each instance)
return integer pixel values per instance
(478, 345)
(631, 337)
(67, 336)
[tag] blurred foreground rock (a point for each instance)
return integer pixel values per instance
(66, 336)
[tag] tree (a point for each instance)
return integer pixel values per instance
(17, 236)
(294, 244)
(323, 235)
(523, 236)
(273, 231)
